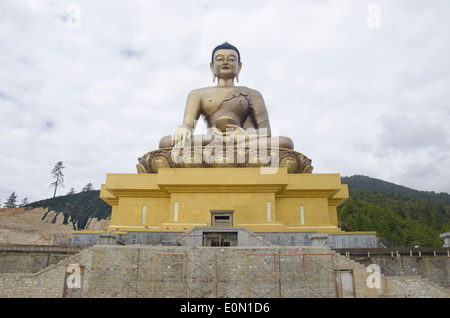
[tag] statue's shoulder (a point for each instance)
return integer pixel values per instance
(201, 91)
(206, 91)
(196, 94)
(250, 91)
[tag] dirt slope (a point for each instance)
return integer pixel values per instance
(20, 226)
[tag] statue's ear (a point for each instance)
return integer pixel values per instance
(211, 65)
(238, 71)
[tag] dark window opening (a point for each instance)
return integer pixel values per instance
(220, 243)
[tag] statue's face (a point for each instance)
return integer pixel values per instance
(226, 65)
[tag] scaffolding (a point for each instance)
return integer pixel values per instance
(291, 275)
(198, 273)
(91, 268)
(198, 240)
(436, 270)
(175, 274)
(144, 275)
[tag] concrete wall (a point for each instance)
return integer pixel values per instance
(432, 264)
(32, 259)
(47, 283)
(274, 238)
(169, 271)
(334, 240)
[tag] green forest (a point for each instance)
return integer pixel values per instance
(402, 217)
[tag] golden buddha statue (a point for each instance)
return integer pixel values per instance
(228, 110)
(234, 115)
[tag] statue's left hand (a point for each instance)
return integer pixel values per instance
(181, 135)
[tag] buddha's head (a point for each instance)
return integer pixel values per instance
(226, 62)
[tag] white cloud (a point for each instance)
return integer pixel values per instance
(355, 100)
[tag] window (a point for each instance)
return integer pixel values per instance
(221, 218)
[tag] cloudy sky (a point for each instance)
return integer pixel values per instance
(362, 87)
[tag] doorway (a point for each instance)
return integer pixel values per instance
(347, 284)
(220, 239)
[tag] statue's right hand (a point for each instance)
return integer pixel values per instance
(181, 135)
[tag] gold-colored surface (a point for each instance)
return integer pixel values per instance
(216, 156)
(179, 199)
(228, 110)
(238, 135)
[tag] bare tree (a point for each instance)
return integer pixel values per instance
(58, 175)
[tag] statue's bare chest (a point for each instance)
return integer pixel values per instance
(212, 99)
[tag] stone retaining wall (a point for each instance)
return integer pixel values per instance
(209, 272)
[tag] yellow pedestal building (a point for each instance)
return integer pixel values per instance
(259, 199)
(265, 201)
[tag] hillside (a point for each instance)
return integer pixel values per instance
(46, 221)
(401, 216)
(372, 184)
(38, 226)
(76, 209)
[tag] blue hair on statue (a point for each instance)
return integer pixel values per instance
(225, 46)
